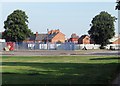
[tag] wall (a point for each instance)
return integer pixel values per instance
(86, 40)
(59, 37)
(117, 41)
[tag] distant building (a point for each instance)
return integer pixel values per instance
(74, 38)
(55, 36)
(114, 43)
(36, 38)
(84, 39)
(52, 36)
(115, 40)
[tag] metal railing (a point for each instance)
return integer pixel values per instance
(49, 46)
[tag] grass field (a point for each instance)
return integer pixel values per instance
(59, 69)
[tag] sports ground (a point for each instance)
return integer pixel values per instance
(60, 67)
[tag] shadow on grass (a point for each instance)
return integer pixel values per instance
(58, 73)
(110, 58)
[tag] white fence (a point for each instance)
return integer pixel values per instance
(89, 46)
(113, 46)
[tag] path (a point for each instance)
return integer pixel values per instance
(59, 52)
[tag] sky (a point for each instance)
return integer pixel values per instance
(68, 17)
(59, 0)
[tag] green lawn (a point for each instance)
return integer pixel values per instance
(59, 69)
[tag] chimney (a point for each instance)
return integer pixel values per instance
(36, 34)
(57, 31)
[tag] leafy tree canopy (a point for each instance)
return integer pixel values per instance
(102, 28)
(16, 27)
(118, 5)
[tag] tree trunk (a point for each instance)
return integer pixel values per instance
(102, 46)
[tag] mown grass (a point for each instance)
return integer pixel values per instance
(59, 69)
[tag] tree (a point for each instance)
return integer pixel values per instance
(16, 27)
(118, 5)
(102, 28)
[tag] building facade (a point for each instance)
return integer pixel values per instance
(74, 38)
(53, 36)
(84, 39)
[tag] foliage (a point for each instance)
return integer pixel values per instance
(118, 5)
(16, 27)
(102, 28)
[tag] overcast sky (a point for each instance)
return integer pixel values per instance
(69, 17)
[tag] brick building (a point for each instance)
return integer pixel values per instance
(115, 40)
(84, 39)
(53, 36)
(74, 38)
(36, 38)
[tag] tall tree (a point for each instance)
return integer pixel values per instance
(102, 28)
(16, 27)
(118, 5)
